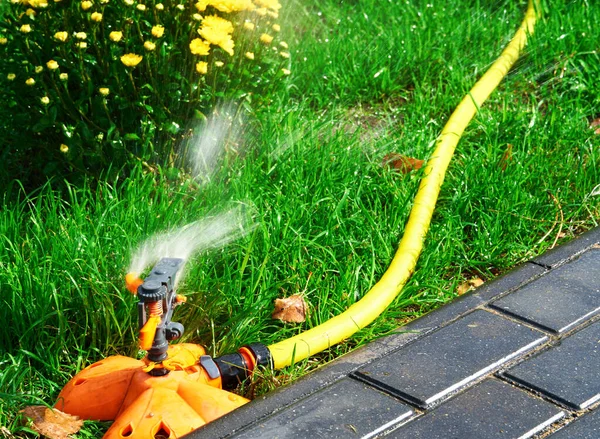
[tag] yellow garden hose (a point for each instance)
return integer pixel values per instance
(363, 312)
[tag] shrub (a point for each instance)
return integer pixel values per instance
(95, 83)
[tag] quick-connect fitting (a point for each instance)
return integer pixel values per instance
(235, 368)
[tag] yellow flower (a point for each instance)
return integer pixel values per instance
(30, 12)
(26, 28)
(197, 17)
(63, 76)
(218, 24)
(217, 30)
(45, 100)
(159, 7)
(86, 4)
(64, 148)
(3, 40)
(149, 46)
(271, 4)
(104, 91)
(141, 7)
(272, 14)
(96, 16)
(129, 2)
(80, 35)
(61, 36)
(180, 7)
(158, 31)
(229, 6)
(202, 67)
(199, 47)
(248, 25)
(38, 69)
(131, 59)
(276, 27)
(201, 5)
(30, 81)
(283, 44)
(266, 38)
(37, 3)
(261, 11)
(82, 45)
(103, 2)
(115, 36)
(52, 65)
(286, 71)
(249, 55)
(284, 54)
(219, 63)
(11, 76)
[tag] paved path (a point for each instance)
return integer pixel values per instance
(517, 358)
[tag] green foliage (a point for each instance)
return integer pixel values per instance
(90, 85)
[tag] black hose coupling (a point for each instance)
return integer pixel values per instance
(235, 368)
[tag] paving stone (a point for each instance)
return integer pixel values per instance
(346, 409)
(569, 372)
(586, 427)
(560, 300)
(435, 365)
(490, 410)
(564, 252)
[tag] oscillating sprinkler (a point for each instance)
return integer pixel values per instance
(175, 388)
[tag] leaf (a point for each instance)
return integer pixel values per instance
(402, 163)
(131, 136)
(469, 285)
(595, 124)
(52, 423)
(291, 309)
(506, 157)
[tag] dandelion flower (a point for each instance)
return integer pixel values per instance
(131, 59)
(218, 24)
(63, 76)
(104, 91)
(201, 5)
(96, 16)
(103, 2)
(266, 38)
(229, 6)
(115, 36)
(26, 28)
(64, 148)
(273, 5)
(61, 36)
(197, 17)
(30, 12)
(11, 76)
(272, 14)
(30, 81)
(202, 67)
(217, 30)
(219, 63)
(45, 100)
(284, 54)
(149, 46)
(86, 4)
(140, 7)
(276, 27)
(199, 47)
(38, 3)
(261, 11)
(39, 69)
(286, 71)
(249, 55)
(129, 2)
(248, 26)
(3, 40)
(52, 65)
(180, 7)
(82, 45)
(160, 7)
(158, 31)
(284, 44)
(80, 35)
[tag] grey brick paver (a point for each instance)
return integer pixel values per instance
(569, 372)
(586, 427)
(434, 366)
(490, 410)
(560, 300)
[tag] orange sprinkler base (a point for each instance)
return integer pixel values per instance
(145, 406)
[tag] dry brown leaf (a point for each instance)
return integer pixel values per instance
(291, 309)
(506, 157)
(595, 124)
(402, 163)
(52, 423)
(469, 285)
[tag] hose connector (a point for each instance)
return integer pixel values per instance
(235, 368)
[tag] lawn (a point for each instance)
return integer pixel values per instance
(301, 172)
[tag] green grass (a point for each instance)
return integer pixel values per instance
(379, 77)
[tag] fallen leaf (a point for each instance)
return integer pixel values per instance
(506, 157)
(291, 309)
(402, 163)
(52, 423)
(595, 124)
(469, 285)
